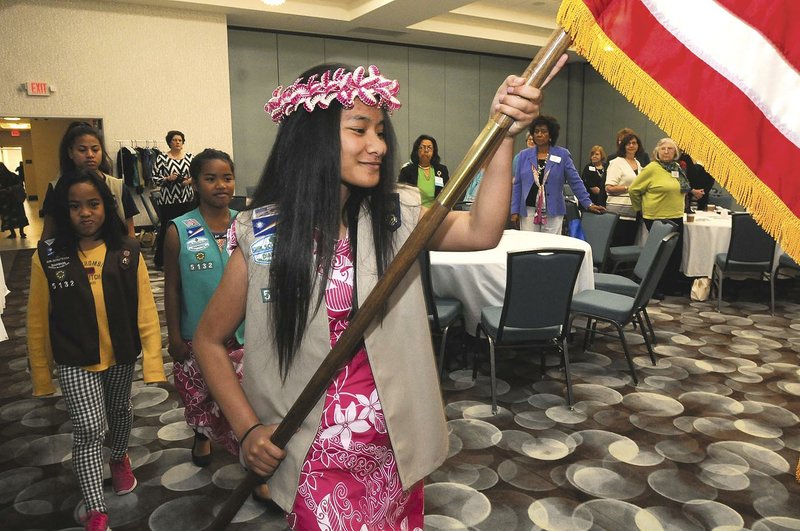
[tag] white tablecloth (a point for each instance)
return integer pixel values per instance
(478, 279)
(703, 239)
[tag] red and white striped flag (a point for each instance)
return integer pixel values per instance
(721, 77)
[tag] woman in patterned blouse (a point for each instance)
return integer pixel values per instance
(171, 173)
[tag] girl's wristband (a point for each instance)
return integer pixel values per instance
(254, 426)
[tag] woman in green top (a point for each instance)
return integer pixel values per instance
(425, 170)
(659, 192)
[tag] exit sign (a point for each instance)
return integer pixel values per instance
(37, 88)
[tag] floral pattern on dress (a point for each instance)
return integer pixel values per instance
(349, 480)
(202, 413)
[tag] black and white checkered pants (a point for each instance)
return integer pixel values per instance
(97, 401)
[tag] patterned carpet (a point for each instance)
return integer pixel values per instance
(708, 440)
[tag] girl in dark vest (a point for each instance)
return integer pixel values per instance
(326, 219)
(195, 253)
(91, 312)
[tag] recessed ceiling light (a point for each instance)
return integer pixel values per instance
(12, 119)
(274, 2)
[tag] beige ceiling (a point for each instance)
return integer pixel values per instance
(506, 27)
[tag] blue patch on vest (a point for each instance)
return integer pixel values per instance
(264, 222)
(262, 248)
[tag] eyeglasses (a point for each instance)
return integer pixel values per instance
(426, 148)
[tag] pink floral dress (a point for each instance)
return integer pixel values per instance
(202, 413)
(349, 480)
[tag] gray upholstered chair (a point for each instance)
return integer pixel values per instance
(535, 310)
(623, 254)
(785, 262)
(599, 229)
(621, 310)
(629, 286)
(442, 312)
(751, 250)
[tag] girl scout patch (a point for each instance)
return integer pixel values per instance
(261, 249)
(196, 239)
(264, 228)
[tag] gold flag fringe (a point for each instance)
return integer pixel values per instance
(797, 471)
(655, 102)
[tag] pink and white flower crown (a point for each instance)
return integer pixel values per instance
(373, 90)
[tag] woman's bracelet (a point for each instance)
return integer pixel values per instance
(254, 426)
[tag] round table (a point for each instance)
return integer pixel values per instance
(478, 278)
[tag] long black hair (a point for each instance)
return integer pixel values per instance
(113, 229)
(75, 131)
(415, 150)
(624, 142)
(303, 178)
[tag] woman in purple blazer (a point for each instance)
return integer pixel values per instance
(537, 201)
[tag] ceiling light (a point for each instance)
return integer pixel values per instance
(274, 2)
(11, 119)
(24, 125)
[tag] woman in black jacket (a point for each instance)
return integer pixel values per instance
(12, 203)
(425, 170)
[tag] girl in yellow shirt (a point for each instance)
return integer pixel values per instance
(92, 265)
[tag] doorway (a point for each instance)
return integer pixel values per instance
(11, 157)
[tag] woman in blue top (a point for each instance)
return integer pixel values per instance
(195, 252)
(537, 200)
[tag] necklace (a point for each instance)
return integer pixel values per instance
(426, 172)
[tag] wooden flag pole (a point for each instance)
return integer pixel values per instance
(478, 155)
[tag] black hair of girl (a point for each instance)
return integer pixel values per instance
(74, 132)
(66, 238)
(553, 127)
(303, 178)
(415, 150)
(624, 142)
(170, 134)
(196, 166)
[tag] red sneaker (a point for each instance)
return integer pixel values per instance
(122, 478)
(96, 521)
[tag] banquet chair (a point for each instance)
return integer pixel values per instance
(569, 195)
(627, 286)
(623, 254)
(442, 312)
(751, 250)
(571, 211)
(599, 229)
(786, 262)
(535, 310)
(621, 310)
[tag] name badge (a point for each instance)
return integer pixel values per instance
(555, 158)
(592, 168)
(675, 174)
(438, 181)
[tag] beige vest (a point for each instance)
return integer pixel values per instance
(399, 350)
